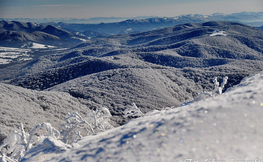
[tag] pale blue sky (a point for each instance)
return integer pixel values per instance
(121, 8)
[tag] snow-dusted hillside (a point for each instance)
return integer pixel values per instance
(154, 69)
(225, 128)
(32, 107)
(15, 34)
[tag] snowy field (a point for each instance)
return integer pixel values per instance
(224, 128)
(8, 55)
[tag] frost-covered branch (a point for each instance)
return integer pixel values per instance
(215, 92)
(132, 112)
(99, 119)
(16, 145)
(92, 123)
(52, 132)
(218, 90)
(74, 125)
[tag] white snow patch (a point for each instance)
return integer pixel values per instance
(5, 61)
(130, 29)
(9, 54)
(218, 33)
(79, 34)
(81, 39)
(61, 49)
(40, 46)
(24, 59)
(51, 148)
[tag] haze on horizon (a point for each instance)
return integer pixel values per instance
(121, 8)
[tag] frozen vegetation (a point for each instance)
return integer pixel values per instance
(16, 145)
(33, 107)
(224, 127)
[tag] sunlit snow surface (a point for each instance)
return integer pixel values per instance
(218, 33)
(40, 46)
(226, 128)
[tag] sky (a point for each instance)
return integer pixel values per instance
(122, 8)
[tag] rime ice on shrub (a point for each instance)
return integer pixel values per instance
(132, 112)
(76, 126)
(99, 119)
(217, 91)
(33, 139)
(18, 143)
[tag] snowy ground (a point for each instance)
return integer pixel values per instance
(81, 39)
(8, 55)
(218, 33)
(226, 128)
(40, 46)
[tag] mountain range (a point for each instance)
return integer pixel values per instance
(146, 24)
(15, 34)
(154, 69)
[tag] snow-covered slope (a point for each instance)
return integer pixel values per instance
(225, 128)
(20, 105)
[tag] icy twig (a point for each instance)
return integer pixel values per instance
(132, 111)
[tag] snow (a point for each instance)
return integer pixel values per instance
(12, 49)
(12, 55)
(61, 49)
(218, 33)
(40, 46)
(24, 59)
(5, 61)
(225, 128)
(80, 34)
(81, 39)
(33, 107)
(51, 146)
(8, 55)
